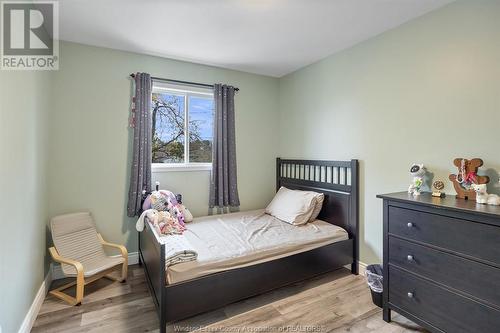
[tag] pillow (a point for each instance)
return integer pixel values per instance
(320, 197)
(294, 207)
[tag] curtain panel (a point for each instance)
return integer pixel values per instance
(223, 184)
(140, 172)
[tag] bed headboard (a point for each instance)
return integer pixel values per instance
(338, 180)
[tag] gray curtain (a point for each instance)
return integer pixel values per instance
(140, 175)
(223, 184)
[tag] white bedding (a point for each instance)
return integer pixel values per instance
(230, 241)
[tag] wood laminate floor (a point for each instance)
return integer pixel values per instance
(334, 302)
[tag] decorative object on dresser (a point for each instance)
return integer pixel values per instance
(483, 197)
(438, 186)
(467, 175)
(442, 262)
(417, 171)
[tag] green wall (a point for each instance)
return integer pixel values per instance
(427, 91)
(90, 140)
(24, 111)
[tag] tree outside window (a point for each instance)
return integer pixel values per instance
(182, 127)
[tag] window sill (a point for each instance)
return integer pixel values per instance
(160, 167)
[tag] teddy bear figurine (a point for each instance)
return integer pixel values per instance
(482, 196)
(417, 171)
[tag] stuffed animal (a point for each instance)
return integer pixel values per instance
(168, 199)
(417, 171)
(483, 197)
(164, 222)
(158, 201)
(188, 217)
(162, 200)
(152, 215)
(173, 207)
(169, 225)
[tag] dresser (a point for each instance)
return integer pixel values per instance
(442, 262)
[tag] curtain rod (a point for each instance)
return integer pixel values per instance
(187, 83)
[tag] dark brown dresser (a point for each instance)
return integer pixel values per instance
(442, 262)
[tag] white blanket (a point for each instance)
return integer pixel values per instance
(231, 241)
(178, 250)
(177, 247)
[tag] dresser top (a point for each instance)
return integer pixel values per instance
(448, 202)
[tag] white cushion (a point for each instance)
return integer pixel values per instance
(320, 197)
(291, 206)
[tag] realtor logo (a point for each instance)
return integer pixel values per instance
(30, 35)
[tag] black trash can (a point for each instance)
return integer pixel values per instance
(374, 277)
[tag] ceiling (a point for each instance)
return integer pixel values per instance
(270, 37)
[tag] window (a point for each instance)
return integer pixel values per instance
(182, 131)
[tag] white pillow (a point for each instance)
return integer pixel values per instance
(320, 197)
(294, 207)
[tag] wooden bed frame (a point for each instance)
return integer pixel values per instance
(338, 180)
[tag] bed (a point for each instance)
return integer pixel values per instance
(261, 253)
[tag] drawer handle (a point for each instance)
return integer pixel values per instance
(410, 295)
(410, 225)
(409, 257)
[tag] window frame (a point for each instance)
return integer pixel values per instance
(186, 92)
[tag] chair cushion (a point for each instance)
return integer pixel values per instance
(92, 266)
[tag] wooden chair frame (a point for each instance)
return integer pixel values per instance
(80, 280)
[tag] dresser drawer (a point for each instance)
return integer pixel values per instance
(466, 237)
(440, 307)
(474, 278)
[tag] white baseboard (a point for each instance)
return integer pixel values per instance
(361, 268)
(133, 258)
(30, 317)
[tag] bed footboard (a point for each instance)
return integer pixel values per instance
(152, 257)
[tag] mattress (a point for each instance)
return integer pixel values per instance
(231, 241)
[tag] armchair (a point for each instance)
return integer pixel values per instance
(80, 251)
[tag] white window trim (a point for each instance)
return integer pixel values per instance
(199, 92)
(167, 167)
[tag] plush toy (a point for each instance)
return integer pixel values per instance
(162, 200)
(483, 197)
(417, 171)
(176, 213)
(188, 217)
(164, 222)
(168, 224)
(158, 201)
(172, 206)
(171, 200)
(152, 215)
